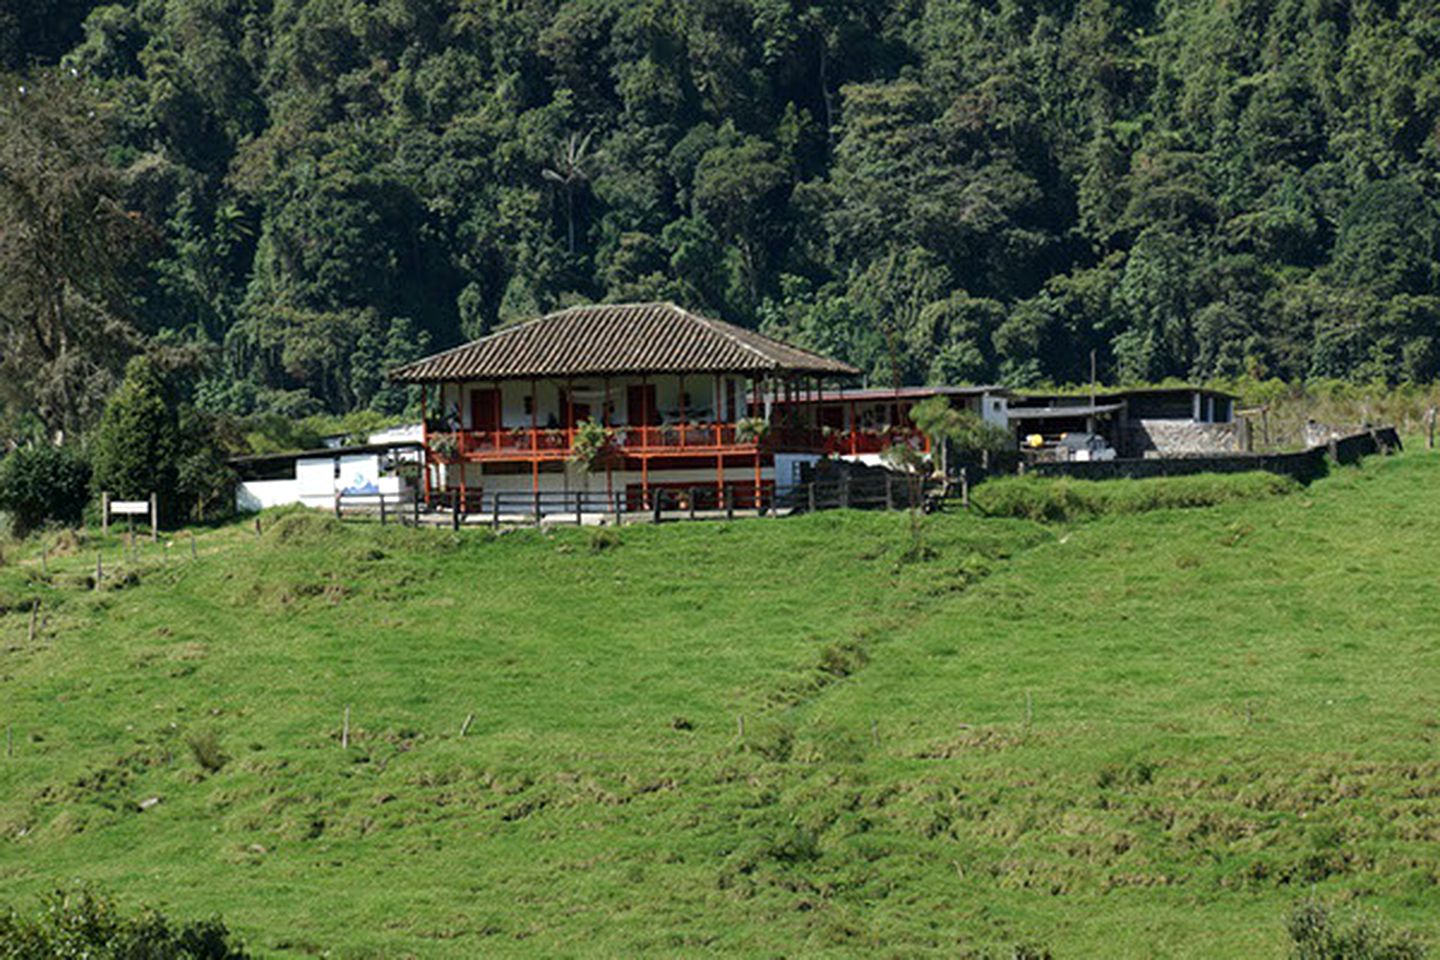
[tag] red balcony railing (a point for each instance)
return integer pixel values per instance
(711, 438)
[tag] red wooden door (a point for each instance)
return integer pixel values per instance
(640, 405)
(485, 410)
(574, 413)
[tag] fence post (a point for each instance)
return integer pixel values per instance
(692, 503)
(579, 512)
(810, 495)
(618, 522)
(845, 491)
(535, 504)
(154, 517)
(964, 488)
(889, 492)
(729, 503)
(455, 510)
(655, 504)
(495, 510)
(105, 512)
(99, 568)
(382, 509)
(1430, 441)
(337, 506)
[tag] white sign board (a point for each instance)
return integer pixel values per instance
(130, 508)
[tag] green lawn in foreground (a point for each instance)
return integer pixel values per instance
(1228, 708)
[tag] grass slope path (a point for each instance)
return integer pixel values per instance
(1135, 736)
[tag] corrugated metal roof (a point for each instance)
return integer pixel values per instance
(901, 393)
(637, 338)
(1057, 413)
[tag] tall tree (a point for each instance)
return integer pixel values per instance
(70, 251)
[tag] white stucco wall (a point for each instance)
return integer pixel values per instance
(315, 483)
(252, 496)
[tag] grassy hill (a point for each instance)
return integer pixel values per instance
(1140, 735)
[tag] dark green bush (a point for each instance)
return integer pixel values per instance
(1060, 500)
(207, 750)
(83, 925)
(42, 484)
(603, 539)
(1315, 935)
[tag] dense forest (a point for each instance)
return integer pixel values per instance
(276, 200)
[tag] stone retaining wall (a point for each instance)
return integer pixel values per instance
(1178, 438)
(1304, 466)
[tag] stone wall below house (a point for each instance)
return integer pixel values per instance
(1178, 438)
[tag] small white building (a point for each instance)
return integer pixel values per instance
(314, 478)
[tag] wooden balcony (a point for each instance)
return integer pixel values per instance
(679, 440)
(523, 443)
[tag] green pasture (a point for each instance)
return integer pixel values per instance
(1150, 732)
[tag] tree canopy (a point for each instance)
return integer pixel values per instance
(286, 197)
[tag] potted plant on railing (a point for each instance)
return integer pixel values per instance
(593, 448)
(751, 430)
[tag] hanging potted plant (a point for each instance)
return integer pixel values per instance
(752, 429)
(593, 447)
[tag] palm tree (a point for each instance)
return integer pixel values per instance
(569, 172)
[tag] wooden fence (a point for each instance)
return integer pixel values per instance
(888, 492)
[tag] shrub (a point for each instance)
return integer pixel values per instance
(43, 484)
(1060, 500)
(205, 747)
(299, 526)
(81, 923)
(604, 538)
(1314, 935)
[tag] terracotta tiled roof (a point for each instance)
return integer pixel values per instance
(618, 339)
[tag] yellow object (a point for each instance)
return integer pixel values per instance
(1035, 440)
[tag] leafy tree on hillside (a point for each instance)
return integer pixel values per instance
(69, 251)
(136, 449)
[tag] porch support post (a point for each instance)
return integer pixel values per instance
(758, 503)
(534, 438)
(609, 465)
(645, 417)
(499, 412)
(425, 442)
(719, 437)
